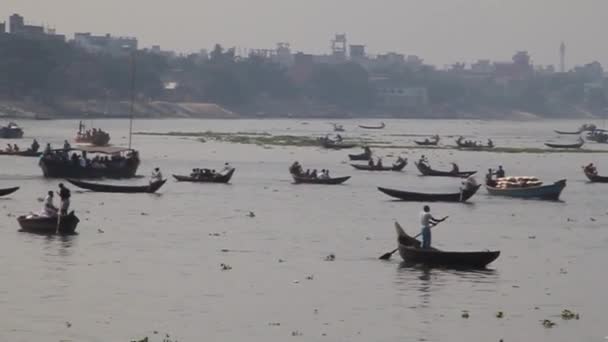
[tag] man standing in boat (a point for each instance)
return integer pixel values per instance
(64, 195)
(500, 173)
(427, 221)
(157, 176)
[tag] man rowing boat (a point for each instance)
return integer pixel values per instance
(427, 221)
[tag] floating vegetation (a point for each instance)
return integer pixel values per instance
(500, 314)
(267, 139)
(330, 257)
(465, 314)
(225, 267)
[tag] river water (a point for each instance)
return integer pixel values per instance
(144, 263)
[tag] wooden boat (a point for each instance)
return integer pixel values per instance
(579, 144)
(218, 178)
(98, 138)
(427, 142)
(474, 145)
(48, 225)
(583, 128)
(547, 192)
(595, 178)
(8, 191)
(367, 155)
(395, 167)
(461, 196)
(123, 163)
(569, 133)
(97, 187)
(12, 131)
(26, 153)
(335, 145)
(381, 126)
(426, 170)
(328, 181)
(410, 251)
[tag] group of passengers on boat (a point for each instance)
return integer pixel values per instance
(472, 143)
(492, 175)
(14, 148)
(210, 173)
(97, 162)
(297, 170)
(423, 161)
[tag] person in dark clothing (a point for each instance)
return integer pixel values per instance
(64, 195)
(500, 173)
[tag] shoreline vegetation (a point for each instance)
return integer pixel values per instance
(267, 139)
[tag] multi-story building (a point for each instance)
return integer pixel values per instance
(18, 27)
(115, 46)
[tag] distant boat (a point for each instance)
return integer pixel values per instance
(11, 131)
(579, 144)
(325, 181)
(381, 126)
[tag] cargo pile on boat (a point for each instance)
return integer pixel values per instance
(517, 182)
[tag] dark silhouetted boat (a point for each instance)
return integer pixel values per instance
(583, 128)
(409, 196)
(326, 181)
(26, 153)
(434, 141)
(217, 178)
(11, 131)
(395, 167)
(97, 187)
(95, 137)
(411, 253)
(120, 163)
(426, 170)
(547, 192)
(579, 144)
(8, 191)
(381, 126)
(48, 225)
(595, 178)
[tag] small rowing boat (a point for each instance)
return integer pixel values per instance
(546, 192)
(410, 251)
(395, 167)
(381, 126)
(325, 181)
(26, 153)
(97, 187)
(594, 177)
(579, 144)
(48, 225)
(409, 196)
(366, 155)
(8, 191)
(426, 170)
(217, 178)
(428, 142)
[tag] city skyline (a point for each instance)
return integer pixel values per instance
(467, 31)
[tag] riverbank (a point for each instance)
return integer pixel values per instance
(67, 108)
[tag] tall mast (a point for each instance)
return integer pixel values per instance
(132, 97)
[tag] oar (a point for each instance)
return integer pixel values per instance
(387, 256)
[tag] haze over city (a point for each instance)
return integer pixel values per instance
(440, 32)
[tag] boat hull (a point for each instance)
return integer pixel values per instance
(96, 187)
(596, 178)
(435, 257)
(8, 191)
(26, 153)
(52, 168)
(570, 146)
(217, 179)
(397, 167)
(546, 192)
(409, 196)
(48, 225)
(330, 181)
(11, 133)
(427, 171)
(360, 156)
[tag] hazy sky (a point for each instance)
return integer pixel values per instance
(440, 31)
